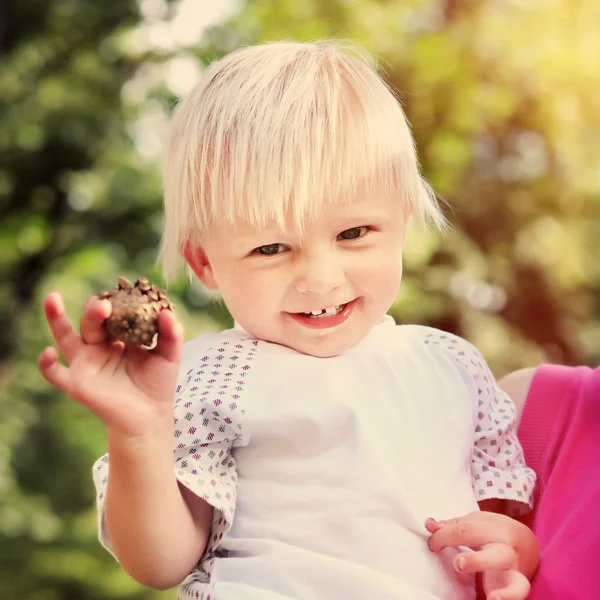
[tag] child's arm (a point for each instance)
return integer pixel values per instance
(157, 533)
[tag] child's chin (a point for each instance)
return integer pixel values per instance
(323, 348)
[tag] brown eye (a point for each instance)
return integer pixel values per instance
(270, 249)
(353, 234)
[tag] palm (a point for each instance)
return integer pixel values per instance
(125, 387)
(129, 388)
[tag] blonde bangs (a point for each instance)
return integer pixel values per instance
(285, 129)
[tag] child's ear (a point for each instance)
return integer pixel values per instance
(198, 260)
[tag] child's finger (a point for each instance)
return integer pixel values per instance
(55, 373)
(516, 588)
(459, 533)
(170, 336)
(473, 533)
(494, 557)
(95, 312)
(66, 338)
(432, 525)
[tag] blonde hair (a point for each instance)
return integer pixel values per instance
(284, 129)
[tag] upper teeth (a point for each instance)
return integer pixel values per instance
(333, 310)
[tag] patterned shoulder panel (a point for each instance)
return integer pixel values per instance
(209, 410)
(208, 406)
(498, 467)
(462, 351)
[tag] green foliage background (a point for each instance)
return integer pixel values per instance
(503, 99)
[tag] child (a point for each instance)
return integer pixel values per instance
(314, 439)
(560, 433)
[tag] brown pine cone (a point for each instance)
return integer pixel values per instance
(135, 310)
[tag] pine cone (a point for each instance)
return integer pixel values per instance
(135, 310)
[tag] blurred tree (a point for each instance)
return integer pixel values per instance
(501, 97)
(78, 206)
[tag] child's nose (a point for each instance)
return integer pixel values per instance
(319, 275)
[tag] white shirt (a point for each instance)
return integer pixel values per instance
(323, 471)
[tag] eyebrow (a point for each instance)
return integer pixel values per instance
(366, 216)
(272, 234)
(256, 239)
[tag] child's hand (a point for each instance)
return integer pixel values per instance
(129, 388)
(506, 552)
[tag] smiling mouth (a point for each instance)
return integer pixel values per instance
(324, 312)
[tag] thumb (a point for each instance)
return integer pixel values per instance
(170, 336)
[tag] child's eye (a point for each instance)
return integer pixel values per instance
(269, 249)
(353, 234)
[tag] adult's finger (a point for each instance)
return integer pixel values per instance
(95, 312)
(493, 557)
(66, 338)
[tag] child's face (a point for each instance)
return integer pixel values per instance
(348, 262)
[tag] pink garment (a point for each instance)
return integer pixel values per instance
(560, 434)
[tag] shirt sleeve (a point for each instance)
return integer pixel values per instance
(498, 468)
(208, 418)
